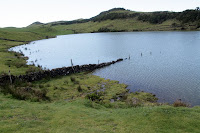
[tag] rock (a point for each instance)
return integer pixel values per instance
(55, 72)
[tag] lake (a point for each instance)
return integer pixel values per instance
(163, 63)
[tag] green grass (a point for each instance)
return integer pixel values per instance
(78, 116)
(120, 24)
(17, 64)
(31, 33)
(69, 110)
(76, 86)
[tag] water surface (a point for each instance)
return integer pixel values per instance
(164, 63)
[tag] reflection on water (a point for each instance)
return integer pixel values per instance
(164, 63)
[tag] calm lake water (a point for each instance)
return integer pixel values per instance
(163, 63)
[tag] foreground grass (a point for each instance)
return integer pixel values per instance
(81, 85)
(69, 110)
(78, 116)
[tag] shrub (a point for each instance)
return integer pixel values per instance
(62, 88)
(66, 82)
(29, 84)
(179, 103)
(72, 79)
(20, 64)
(134, 102)
(3, 73)
(41, 86)
(15, 63)
(104, 30)
(76, 82)
(48, 85)
(55, 88)
(96, 96)
(79, 89)
(33, 69)
(25, 93)
(93, 105)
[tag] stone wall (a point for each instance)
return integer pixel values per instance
(55, 72)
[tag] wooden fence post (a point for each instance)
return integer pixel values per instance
(10, 75)
(72, 66)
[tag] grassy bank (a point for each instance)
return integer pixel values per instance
(79, 116)
(10, 37)
(70, 111)
(80, 102)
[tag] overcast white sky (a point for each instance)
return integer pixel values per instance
(20, 13)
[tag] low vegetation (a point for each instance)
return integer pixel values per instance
(179, 103)
(92, 109)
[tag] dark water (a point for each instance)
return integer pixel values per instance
(169, 65)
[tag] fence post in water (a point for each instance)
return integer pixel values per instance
(141, 54)
(72, 65)
(10, 75)
(129, 57)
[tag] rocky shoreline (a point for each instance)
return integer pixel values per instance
(35, 76)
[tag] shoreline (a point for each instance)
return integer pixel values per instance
(38, 76)
(42, 39)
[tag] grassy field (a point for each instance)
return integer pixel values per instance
(83, 102)
(69, 110)
(119, 19)
(31, 33)
(19, 36)
(79, 116)
(120, 25)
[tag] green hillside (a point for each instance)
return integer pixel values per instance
(119, 19)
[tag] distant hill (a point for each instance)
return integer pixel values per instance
(113, 20)
(36, 23)
(120, 19)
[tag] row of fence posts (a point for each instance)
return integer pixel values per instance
(9, 73)
(129, 57)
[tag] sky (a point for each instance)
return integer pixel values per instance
(21, 13)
